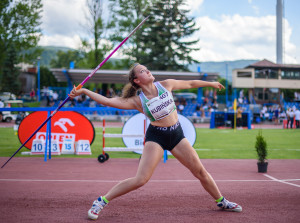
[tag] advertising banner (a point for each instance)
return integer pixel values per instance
(64, 125)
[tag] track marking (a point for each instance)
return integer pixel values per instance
(296, 150)
(40, 180)
(153, 181)
(290, 180)
(281, 181)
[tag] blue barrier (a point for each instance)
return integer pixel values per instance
(92, 113)
(87, 109)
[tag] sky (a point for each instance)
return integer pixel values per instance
(229, 30)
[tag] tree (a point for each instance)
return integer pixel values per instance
(10, 72)
(166, 45)
(161, 43)
(223, 91)
(19, 26)
(97, 28)
(63, 58)
(126, 16)
(47, 78)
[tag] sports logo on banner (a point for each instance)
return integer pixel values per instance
(64, 125)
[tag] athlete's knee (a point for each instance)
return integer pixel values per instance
(200, 173)
(141, 181)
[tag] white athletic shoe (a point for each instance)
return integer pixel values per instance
(229, 206)
(96, 208)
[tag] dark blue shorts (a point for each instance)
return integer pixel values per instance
(166, 137)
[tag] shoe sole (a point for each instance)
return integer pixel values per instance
(92, 216)
(238, 209)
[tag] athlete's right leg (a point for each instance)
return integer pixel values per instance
(152, 154)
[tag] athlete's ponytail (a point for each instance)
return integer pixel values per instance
(131, 88)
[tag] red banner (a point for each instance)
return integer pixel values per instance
(64, 125)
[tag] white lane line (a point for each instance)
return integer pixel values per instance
(116, 181)
(290, 180)
(48, 180)
(281, 181)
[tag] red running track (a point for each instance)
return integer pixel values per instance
(63, 189)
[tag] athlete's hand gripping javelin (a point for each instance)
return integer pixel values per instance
(74, 93)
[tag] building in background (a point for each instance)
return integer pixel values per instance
(264, 80)
(27, 77)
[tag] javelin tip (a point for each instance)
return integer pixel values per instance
(144, 20)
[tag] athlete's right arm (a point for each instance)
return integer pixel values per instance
(116, 102)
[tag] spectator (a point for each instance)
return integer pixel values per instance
(211, 94)
(183, 101)
(205, 103)
(240, 100)
(32, 94)
(198, 107)
(180, 108)
(202, 114)
(110, 92)
(215, 96)
(73, 102)
(211, 109)
(241, 93)
(264, 113)
(276, 115)
(215, 105)
(92, 104)
(297, 118)
(55, 96)
(296, 95)
(45, 90)
(239, 117)
(47, 95)
(51, 102)
(282, 115)
(290, 118)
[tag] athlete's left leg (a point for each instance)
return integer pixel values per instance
(187, 155)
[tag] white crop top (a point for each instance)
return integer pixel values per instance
(158, 107)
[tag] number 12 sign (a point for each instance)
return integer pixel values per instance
(83, 147)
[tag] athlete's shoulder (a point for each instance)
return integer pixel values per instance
(168, 84)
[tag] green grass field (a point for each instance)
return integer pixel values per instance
(210, 144)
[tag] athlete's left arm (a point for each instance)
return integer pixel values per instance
(172, 84)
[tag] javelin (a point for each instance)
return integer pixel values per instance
(78, 87)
